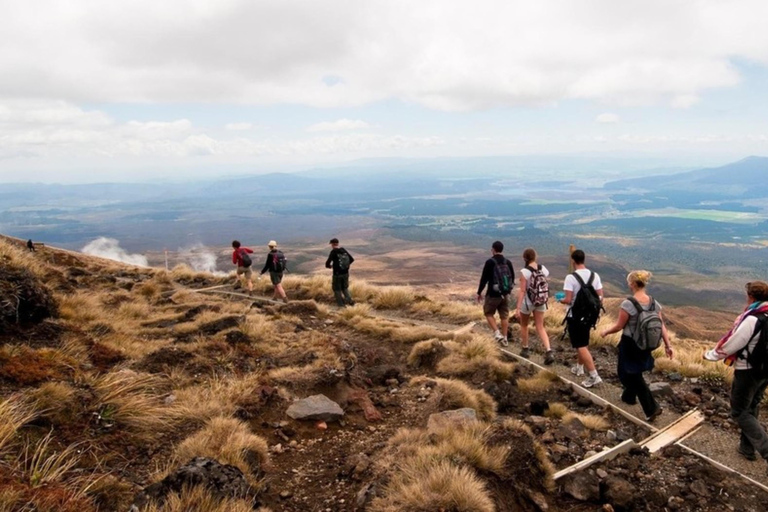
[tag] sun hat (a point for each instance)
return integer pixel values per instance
(272, 243)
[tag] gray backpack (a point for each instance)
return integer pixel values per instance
(647, 335)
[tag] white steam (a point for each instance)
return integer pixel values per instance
(201, 259)
(110, 248)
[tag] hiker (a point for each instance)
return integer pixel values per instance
(499, 275)
(340, 260)
(532, 297)
(30, 245)
(243, 261)
(583, 296)
(643, 330)
(744, 348)
(276, 265)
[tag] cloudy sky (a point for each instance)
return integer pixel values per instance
(94, 90)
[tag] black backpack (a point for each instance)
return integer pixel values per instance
(503, 280)
(758, 356)
(648, 332)
(586, 306)
(278, 261)
(343, 257)
(245, 259)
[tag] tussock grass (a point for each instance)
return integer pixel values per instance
(452, 310)
(259, 328)
(213, 398)
(39, 464)
(132, 346)
(133, 311)
(542, 381)
(133, 401)
(393, 297)
(229, 441)
(199, 499)
(590, 421)
(15, 412)
(358, 310)
(455, 394)
(81, 308)
(689, 361)
(55, 401)
(427, 353)
(556, 410)
(12, 254)
(394, 331)
(479, 354)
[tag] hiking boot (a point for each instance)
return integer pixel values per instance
(747, 454)
(577, 370)
(628, 399)
(549, 357)
(592, 381)
(525, 352)
(655, 414)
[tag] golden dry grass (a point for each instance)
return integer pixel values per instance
(12, 254)
(40, 464)
(590, 421)
(199, 499)
(81, 308)
(15, 412)
(55, 401)
(450, 310)
(556, 410)
(215, 397)
(393, 297)
(478, 354)
(229, 441)
(393, 331)
(454, 394)
(427, 353)
(539, 383)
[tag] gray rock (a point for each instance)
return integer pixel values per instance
(618, 492)
(583, 486)
(601, 473)
(222, 481)
(315, 407)
(675, 377)
(441, 420)
(661, 389)
(574, 429)
(611, 435)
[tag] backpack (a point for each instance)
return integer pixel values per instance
(538, 287)
(647, 335)
(758, 356)
(245, 260)
(278, 261)
(343, 257)
(586, 306)
(503, 281)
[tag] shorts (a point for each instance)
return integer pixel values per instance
(579, 334)
(494, 304)
(245, 270)
(526, 308)
(276, 277)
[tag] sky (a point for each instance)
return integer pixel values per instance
(136, 90)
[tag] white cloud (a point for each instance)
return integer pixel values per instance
(338, 126)
(238, 126)
(607, 118)
(443, 54)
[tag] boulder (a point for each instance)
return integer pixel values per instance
(456, 417)
(221, 480)
(583, 486)
(661, 389)
(315, 407)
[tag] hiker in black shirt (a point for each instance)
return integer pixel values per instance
(276, 265)
(340, 260)
(499, 275)
(30, 246)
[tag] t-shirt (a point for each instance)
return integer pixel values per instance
(633, 315)
(572, 285)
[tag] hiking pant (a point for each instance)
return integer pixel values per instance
(635, 387)
(746, 394)
(340, 286)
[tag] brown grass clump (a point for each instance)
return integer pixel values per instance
(228, 441)
(199, 499)
(451, 310)
(394, 331)
(590, 421)
(24, 366)
(393, 297)
(358, 310)
(474, 467)
(14, 413)
(427, 353)
(132, 401)
(454, 394)
(539, 383)
(478, 355)
(556, 410)
(215, 397)
(54, 401)
(81, 308)
(40, 464)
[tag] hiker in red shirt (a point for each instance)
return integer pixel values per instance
(243, 261)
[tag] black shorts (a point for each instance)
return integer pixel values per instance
(579, 334)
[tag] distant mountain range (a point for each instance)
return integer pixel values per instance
(742, 179)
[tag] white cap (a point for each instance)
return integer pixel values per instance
(272, 243)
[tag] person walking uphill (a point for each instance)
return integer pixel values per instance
(499, 276)
(532, 298)
(583, 296)
(643, 330)
(275, 265)
(745, 347)
(340, 260)
(243, 261)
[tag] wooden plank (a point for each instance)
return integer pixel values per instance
(249, 297)
(465, 329)
(609, 454)
(674, 431)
